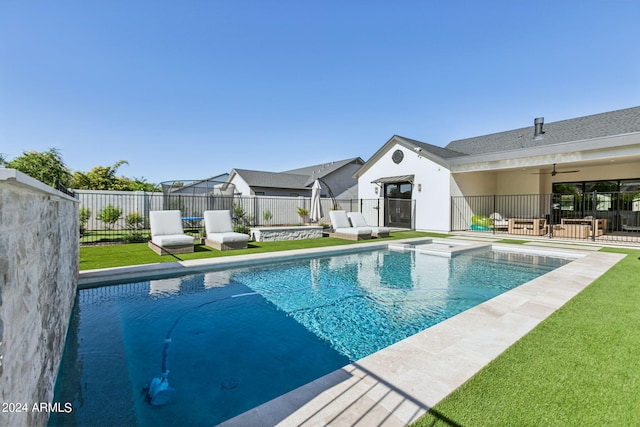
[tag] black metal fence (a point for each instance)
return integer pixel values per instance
(123, 216)
(597, 216)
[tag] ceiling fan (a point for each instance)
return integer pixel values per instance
(554, 172)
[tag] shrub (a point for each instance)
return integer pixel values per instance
(83, 216)
(134, 220)
(304, 213)
(109, 215)
(267, 215)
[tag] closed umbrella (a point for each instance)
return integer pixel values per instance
(316, 207)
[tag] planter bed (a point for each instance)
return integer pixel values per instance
(273, 234)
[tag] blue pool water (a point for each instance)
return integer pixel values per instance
(243, 336)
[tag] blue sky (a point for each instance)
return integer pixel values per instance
(190, 89)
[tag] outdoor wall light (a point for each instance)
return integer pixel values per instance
(419, 187)
(376, 189)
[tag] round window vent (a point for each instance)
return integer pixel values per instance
(397, 157)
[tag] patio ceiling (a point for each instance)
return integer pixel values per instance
(542, 160)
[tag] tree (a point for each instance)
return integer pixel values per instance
(99, 178)
(47, 167)
(104, 178)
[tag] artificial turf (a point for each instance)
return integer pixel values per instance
(93, 257)
(577, 368)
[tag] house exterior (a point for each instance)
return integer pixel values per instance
(337, 179)
(418, 182)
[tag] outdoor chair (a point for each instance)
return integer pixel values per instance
(498, 221)
(220, 234)
(358, 221)
(342, 228)
(167, 235)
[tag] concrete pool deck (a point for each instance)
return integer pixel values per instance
(398, 384)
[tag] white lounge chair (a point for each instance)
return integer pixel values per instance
(342, 228)
(167, 235)
(358, 221)
(220, 234)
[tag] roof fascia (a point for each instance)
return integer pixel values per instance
(540, 155)
(398, 140)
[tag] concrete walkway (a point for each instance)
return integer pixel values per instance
(397, 385)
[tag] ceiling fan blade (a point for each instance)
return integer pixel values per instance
(554, 172)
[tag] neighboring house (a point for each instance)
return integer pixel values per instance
(417, 180)
(336, 177)
(209, 186)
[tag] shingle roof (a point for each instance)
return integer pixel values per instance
(444, 153)
(273, 179)
(617, 122)
(324, 169)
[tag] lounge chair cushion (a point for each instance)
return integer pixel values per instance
(339, 219)
(169, 240)
(165, 223)
(219, 228)
(218, 222)
(358, 221)
(356, 231)
(229, 237)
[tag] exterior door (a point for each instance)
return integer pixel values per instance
(397, 198)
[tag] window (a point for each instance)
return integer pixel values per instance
(398, 190)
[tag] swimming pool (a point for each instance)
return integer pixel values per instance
(243, 336)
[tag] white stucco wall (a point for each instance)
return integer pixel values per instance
(241, 185)
(432, 203)
(473, 183)
(39, 249)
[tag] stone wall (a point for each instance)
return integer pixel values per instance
(274, 234)
(38, 278)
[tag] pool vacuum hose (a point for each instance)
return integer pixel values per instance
(158, 391)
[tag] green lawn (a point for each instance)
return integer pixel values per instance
(92, 257)
(580, 367)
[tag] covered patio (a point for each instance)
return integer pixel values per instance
(597, 199)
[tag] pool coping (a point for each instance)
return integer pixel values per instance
(99, 277)
(398, 384)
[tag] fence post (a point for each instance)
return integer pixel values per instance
(594, 224)
(493, 212)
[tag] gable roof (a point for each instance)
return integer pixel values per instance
(320, 171)
(437, 154)
(612, 123)
(582, 132)
(272, 179)
(443, 153)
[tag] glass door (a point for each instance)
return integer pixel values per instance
(397, 197)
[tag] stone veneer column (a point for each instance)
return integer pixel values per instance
(39, 255)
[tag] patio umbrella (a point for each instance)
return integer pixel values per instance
(316, 207)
